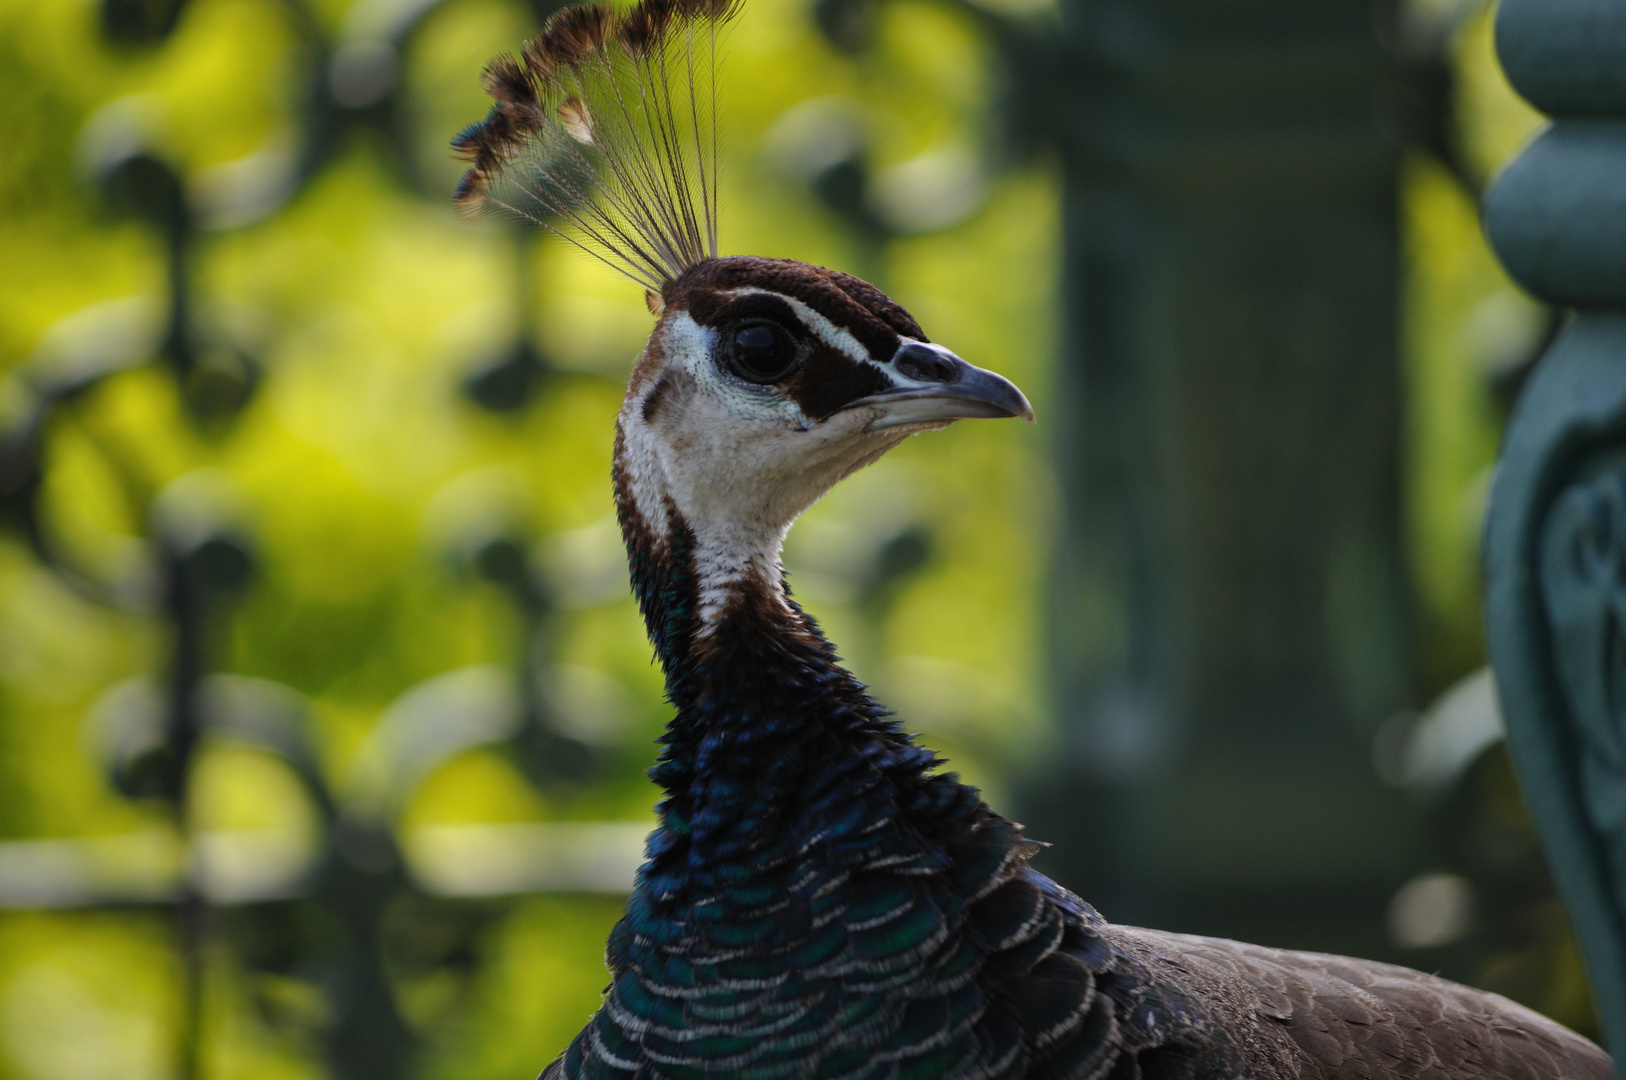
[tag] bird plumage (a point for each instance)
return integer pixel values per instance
(607, 121)
(819, 899)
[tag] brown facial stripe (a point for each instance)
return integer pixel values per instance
(858, 307)
(830, 380)
(656, 396)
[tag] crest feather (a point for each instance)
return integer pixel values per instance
(604, 131)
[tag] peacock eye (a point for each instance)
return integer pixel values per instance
(761, 352)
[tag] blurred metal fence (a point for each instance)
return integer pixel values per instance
(199, 559)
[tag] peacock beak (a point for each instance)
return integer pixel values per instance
(934, 385)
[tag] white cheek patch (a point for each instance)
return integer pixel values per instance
(641, 466)
(740, 514)
(739, 463)
(724, 458)
(681, 341)
(686, 342)
(688, 419)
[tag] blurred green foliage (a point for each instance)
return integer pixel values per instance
(1466, 328)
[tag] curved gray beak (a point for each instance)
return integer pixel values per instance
(934, 385)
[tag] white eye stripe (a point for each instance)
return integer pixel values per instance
(826, 331)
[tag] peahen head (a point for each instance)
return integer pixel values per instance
(765, 381)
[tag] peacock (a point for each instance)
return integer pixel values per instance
(820, 899)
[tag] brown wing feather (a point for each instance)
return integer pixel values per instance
(1318, 1017)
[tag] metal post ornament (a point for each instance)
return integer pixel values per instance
(1555, 539)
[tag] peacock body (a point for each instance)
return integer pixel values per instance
(819, 900)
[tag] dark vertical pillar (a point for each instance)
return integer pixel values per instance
(1555, 539)
(1230, 614)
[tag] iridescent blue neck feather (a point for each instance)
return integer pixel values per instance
(817, 901)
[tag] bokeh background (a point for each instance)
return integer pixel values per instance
(323, 707)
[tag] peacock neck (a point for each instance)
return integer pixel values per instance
(750, 674)
(773, 746)
(730, 640)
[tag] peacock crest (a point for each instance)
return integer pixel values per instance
(606, 124)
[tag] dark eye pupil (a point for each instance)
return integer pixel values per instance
(762, 352)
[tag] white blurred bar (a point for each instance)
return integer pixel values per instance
(531, 857)
(137, 868)
(243, 867)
